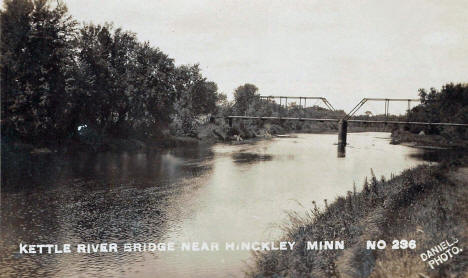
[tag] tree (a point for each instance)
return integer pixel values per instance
(128, 85)
(195, 97)
(15, 32)
(153, 103)
(245, 96)
(450, 104)
(37, 63)
(194, 91)
(106, 65)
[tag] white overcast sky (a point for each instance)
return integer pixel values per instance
(342, 50)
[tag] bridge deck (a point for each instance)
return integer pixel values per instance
(337, 120)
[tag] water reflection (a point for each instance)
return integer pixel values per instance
(222, 193)
(100, 169)
(107, 197)
(439, 155)
(250, 157)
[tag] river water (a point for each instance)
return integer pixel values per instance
(222, 193)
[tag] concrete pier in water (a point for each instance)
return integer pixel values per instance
(342, 132)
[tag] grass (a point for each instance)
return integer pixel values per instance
(427, 204)
(445, 140)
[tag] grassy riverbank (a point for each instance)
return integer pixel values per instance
(428, 140)
(207, 133)
(427, 204)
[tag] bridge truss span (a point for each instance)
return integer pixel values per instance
(343, 122)
(301, 100)
(338, 120)
(387, 104)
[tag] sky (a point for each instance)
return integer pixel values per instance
(341, 50)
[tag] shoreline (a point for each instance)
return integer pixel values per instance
(171, 142)
(427, 141)
(425, 204)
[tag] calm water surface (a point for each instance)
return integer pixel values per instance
(222, 193)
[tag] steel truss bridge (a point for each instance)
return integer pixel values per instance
(342, 122)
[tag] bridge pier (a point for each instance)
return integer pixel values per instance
(342, 133)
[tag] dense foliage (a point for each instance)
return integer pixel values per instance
(37, 64)
(450, 104)
(61, 81)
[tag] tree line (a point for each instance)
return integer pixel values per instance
(449, 105)
(59, 77)
(62, 81)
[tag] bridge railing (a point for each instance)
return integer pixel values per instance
(285, 98)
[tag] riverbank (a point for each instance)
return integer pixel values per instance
(205, 134)
(428, 141)
(223, 193)
(427, 204)
(208, 133)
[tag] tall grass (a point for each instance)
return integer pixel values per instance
(426, 204)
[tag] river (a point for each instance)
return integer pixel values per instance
(221, 193)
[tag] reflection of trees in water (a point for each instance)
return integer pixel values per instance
(250, 157)
(29, 218)
(107, 197)
(26, 171)
(441, 155)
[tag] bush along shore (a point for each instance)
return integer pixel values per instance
(426, 204)
(428, 141)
